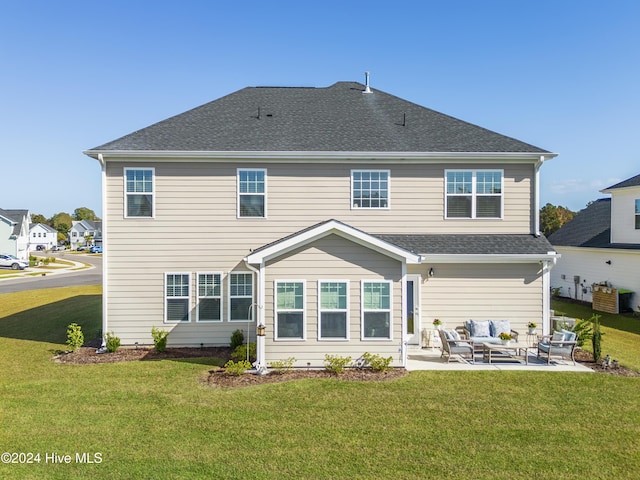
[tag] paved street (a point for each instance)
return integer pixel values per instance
(67, 277)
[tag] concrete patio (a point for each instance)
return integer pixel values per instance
(430, 359)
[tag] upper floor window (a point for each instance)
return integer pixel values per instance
(638, 214)
(209, 297)
(290, 310)
(177, 286)
(240, 297)
(370, 188)
(333, 303)
(138, 192)
(252, 192)
(473, 194)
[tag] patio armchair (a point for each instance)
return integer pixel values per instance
(561, 344)
(454, 344)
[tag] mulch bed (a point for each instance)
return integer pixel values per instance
(219, 378)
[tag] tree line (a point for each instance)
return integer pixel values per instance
(63, 221)
(552, 217)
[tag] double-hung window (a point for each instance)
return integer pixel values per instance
(638, 214)
(209, 297)
(138, 192)
(376, 310)
(177, 294)
(333, 301)
(290, 310)
(370, 188)
(473, 194)
(241, 297)
(252, 192)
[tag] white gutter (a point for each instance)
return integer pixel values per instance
(536, 194)
(497, 258)
(260, 364)
(105, 249)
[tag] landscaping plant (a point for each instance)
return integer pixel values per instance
(75, 337)
(282, 366)
(335, 363)
(596, 338)
(237, 339)
(237, 368)
(376, 362)
(112, 342)
(240, 352)
(159, 339)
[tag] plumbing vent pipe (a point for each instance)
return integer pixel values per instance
(366, 83)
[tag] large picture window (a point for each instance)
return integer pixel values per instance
(473, 194)
(333, 300)
(376, 310)
(209, 297)
(289, 310)
(177, 294)
(252, 189)
(370, 188)
(240, 297)
(138, 192)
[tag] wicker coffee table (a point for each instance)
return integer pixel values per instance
(518, 349)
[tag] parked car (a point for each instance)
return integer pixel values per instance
(95, 249)
(58, 248)
(81, 248)
(14, 263)
(40, 247)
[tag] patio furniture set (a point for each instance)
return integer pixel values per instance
(483, 337)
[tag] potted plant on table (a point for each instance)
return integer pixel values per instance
(505, 338)
(532, 327)
(437, 323)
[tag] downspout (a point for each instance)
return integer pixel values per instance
(260, 364)
(536, 197)
(105, 250)
(547, 265)
(403, 317)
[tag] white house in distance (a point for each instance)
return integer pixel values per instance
(42, 237)
(14, 232)
(84, 233)
(602, 245)
(341, 219)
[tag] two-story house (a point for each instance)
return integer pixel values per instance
(14, 232)
(601, 245)
(84, 233)
(42, 237)
(343, 219)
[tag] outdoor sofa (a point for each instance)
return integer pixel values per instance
(487, 331)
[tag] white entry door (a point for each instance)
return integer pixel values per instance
(412, 308)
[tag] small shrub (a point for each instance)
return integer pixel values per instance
(237, 339)
(583, 330)
(282, 366)
(75, 337)
(240, 352)
(376, 362)
(159, 339)
(335, 363)
(596, 338)
(112, 342)
(237, 368)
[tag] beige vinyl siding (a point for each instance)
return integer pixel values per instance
(332, 258)
(459, 292)
(195, 227)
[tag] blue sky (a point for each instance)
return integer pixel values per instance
(559, 74)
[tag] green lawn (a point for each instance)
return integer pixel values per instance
(154, 419)
(621, 337)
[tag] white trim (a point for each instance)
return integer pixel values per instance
(389, 311)
(490, 258)
(238, 193)
(474, 193)
(198, 297)
(125, 193)
(346, 311)
(337, 228)
(187, 297)
(546, 297)
(253, 296)
(303, 311)
(105, 251)
(363, 170)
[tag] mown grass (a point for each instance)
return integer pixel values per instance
(155, 419)
(621, 337)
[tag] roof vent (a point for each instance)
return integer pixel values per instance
(366, 83)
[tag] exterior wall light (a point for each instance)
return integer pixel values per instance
(262, 330)
(431, 272)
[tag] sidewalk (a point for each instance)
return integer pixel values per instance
(54, 268)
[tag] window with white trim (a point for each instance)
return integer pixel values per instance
(370, 188)
(209, 297)
(177, 294)
(473, 193)
(333, 302)
(289, 301)
(138, 192)
(638, 214)
(376, 309)
(252, 190)
(241, 297)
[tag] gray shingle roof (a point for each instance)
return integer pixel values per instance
(629, 182)
(470, 244)
(339, 118)
(591, 227)
(17, 216)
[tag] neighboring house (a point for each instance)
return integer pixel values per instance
(601, 244)
(14, 232)
(84, 233)
(42, 237)
(343, 219)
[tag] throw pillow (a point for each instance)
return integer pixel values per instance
(455, 335)
(500, 326)
(480, 328)
(557, 337)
